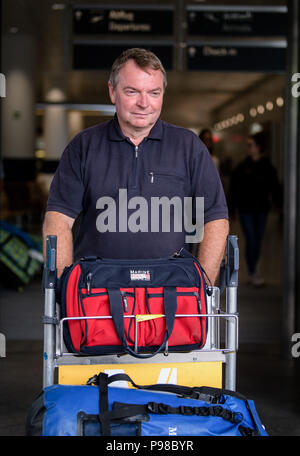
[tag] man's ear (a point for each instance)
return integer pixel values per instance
(111, 91)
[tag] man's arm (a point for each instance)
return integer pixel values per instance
(60, 225)
(212, 247)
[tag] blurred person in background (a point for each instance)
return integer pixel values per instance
(253, 189)
(207, 138)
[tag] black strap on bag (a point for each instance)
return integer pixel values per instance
(205, 393)
(116, 310)
(123, 410)
(208, 394)
(165, 409)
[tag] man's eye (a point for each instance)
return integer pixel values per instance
(130, 92)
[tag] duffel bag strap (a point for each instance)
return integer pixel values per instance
(183, 253)
(103, 380)
(203, 393)
(105, 416)
(124, 410)
(166, 409)
(116, 310)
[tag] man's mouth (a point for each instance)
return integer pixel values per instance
(141, 114)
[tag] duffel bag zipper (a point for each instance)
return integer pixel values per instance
(88, 292)
(199, 303)
(179, 293)
(149, 295)
(125, 302)
(88, 283)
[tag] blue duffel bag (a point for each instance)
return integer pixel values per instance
(153, 410)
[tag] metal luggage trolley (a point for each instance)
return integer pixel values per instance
(213, 365)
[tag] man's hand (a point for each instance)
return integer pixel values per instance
(212, 247)
(59, 225)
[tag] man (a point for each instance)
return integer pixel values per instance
(134, 158)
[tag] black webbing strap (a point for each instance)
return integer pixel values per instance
(184, 391)
(170, 305)
(106, 416)
(209, 394)
(205, 393)
(116, 310)
(103, 403)
(165, 409)
(122, 410)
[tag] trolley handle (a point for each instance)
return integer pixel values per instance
(50, 270)
(229, 269)
(232, 266)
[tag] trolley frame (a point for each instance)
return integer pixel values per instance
(54, 349)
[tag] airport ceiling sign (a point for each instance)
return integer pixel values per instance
(223, 20)
(241, 56)
(135, 21)
(92, 55)
(185, 37)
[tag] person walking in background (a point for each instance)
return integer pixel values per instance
(206, 137)
(254, 187)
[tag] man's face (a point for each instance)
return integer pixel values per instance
(138, 97)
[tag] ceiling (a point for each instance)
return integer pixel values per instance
(190, 99)
(200, 94)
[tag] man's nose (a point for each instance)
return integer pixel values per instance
(143, 100)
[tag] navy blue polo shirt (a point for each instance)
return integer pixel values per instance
(115, 187)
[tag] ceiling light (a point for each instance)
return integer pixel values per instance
(279, 101)
(40, 153)
(13, 30)
(252, 112)
(269, 105)
(58, 6)
(260, 109)
(255, 128)
(55, 95)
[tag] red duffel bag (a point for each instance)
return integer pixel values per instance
(140, 307)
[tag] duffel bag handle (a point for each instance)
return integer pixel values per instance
(103, 380)
(184, 253)
(106, 416)
(205, 393)
(116, 310)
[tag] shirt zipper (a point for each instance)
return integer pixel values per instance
(136, 148)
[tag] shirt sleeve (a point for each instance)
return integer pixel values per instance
(67, 187)
(206, 183)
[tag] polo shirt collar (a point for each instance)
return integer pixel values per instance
(115, 133)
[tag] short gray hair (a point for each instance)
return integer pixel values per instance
(142, 57)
